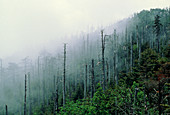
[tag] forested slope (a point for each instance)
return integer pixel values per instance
(123, 68)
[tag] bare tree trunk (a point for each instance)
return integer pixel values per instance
(103, 62)
(107, 73)
(54, 84)
(21, 99)
(30, 106)
(54, 98)
(92, 79)
(25, 95)
(6, 108)
(56, 101)
(114, 67)
(85, 83)
(39, 81)
(43, 87)
(115, 57)
(138, 43)
(89, 77)
(64, 100)
(131, 53)
(117, 60)
(137, 37)
(55, 95)
(126, 51)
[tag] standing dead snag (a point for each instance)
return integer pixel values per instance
(43, 89)
(103, 63)
(30, 106)
(54, 98)
(56, 101)
(138, 43)
(107, 73)
(131, 52)
(85, 83)
(55, 95)
(64, 100)
(92, 79)
(89, 76)
(25, 94)
(115, 58)
(6, 108)
(38, 80)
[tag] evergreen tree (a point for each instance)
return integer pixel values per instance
(157, 30)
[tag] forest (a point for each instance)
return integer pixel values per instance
(120, 69)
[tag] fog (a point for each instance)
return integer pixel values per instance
(30, 26)
(32, 33)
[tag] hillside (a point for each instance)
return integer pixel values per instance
(123, 68)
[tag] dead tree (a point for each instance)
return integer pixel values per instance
(131, 52)
(56, 101)
(6, 108)
(92, 79)
(64, 72)
(114, 67)
(137, 37)
(138, 43)
(85, 83)
(55, 95)
(54, 83)
(107, 73)
(30, 106)
(89, 77)
(115, 57)
(38, 80)
(43, 89)
(25, 94)
(103, 62)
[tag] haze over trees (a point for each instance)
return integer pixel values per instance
(123, 68)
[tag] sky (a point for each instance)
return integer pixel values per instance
(29, 25)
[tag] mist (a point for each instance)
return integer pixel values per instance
(29, 26)
(32, 36)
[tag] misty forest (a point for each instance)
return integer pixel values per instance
(119, 69)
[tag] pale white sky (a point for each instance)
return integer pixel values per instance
(27, 25)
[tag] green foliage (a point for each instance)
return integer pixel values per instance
(103, 103)
(166, 51)
(157, 25)
(96, 105)
(78, 94)
(137, 92)
(149, 63)
(99, 101)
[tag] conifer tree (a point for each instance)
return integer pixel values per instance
(157, 30)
